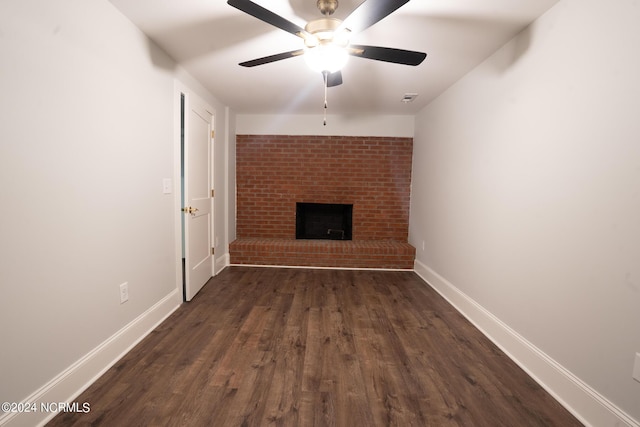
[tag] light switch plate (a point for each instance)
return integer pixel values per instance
(636, 368)
(124, 292)
(167, 186)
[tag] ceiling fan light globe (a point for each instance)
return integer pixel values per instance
(326, 57)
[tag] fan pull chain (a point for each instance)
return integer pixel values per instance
(325, 74)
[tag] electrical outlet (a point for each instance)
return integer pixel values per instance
(636, 368)
(124, 292)
(423, 245)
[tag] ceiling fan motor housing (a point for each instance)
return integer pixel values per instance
(324, 30)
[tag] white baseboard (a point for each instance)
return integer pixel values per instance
(585, 403)
(221, 263)
(68, 385)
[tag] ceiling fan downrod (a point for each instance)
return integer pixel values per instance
(327, 7)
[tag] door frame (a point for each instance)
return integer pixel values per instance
(181, 90)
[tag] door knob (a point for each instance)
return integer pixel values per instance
(190, 210)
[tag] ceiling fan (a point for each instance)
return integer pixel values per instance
(327, 40)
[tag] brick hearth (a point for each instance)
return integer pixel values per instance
(323, 253)
(273, 172)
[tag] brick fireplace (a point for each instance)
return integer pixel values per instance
(275, 173)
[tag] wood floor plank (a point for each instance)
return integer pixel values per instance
(303, 347)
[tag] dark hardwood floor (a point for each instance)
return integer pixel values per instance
(300, 347)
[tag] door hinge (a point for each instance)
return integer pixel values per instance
(213, 134)
(213, 251)
(212, 192)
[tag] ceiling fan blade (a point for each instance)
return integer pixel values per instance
(334, 79)
(388, 54)
(272, 58)
(267, 16)
(370, 12)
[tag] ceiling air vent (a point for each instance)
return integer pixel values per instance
(409, 97)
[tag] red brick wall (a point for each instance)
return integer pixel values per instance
(275, 171)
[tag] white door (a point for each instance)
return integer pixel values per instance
(198, 264)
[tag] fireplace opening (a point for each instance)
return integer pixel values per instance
(323, 221)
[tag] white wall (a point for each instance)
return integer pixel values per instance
(349, 125)
(526, 194)
(86, 138)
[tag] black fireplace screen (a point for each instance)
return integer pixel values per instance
(323, 221)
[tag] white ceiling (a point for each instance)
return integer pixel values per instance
(209, 38)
